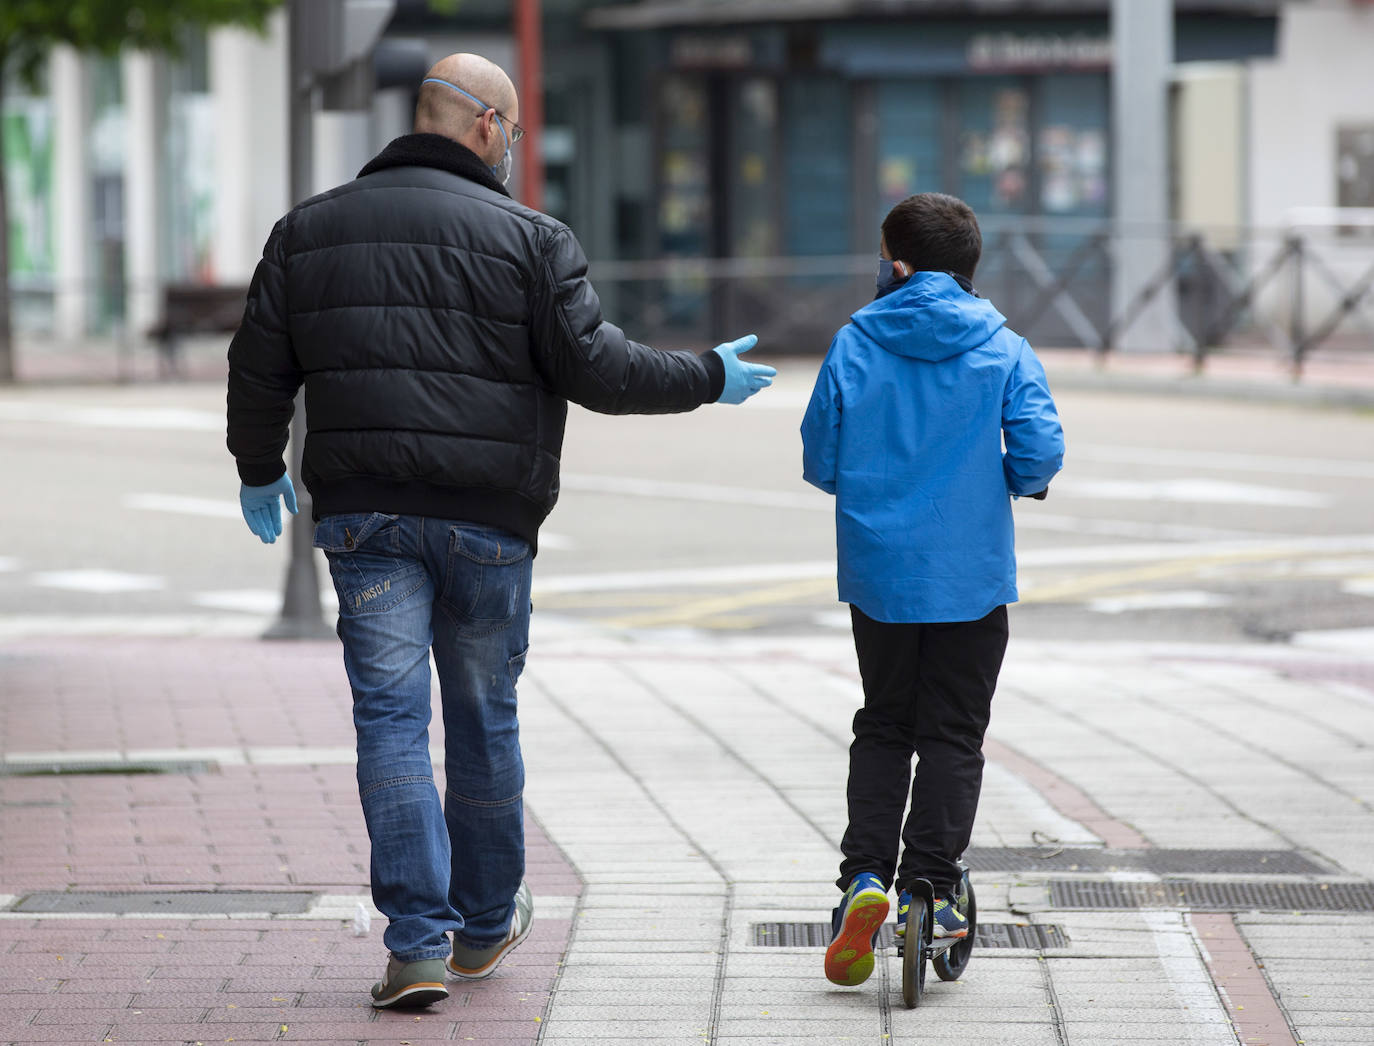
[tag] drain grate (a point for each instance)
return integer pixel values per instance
(114, 766)
(989, 935)
(1214, 896)
(1156, 861)
(175, 902)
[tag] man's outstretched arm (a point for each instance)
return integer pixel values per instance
(591, 362)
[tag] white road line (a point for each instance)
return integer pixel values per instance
(808, 499)
(96, 580)
(1189, 459)
(1184, 599)
(1189, 491)
(260, 601)
(217, 508)
(1034, 519)
(1345, 640)
(159, 418)
(688, 577)
(1148, 552)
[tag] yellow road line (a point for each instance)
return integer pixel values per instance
(699, 609)
(1093, 584)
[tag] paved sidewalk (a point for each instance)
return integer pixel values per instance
(1175, 845)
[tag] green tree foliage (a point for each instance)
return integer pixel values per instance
(30, 28)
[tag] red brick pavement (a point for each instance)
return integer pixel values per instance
(284, 827)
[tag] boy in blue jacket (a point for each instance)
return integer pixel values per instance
(917, 398)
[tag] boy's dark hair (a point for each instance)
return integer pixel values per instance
(932, 231)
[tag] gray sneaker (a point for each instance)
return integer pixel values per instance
(409, 984)
(473, 964)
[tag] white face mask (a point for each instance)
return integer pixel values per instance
(503, 166)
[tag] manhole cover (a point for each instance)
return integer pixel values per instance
(1158, 861)
(989, 935)
(1214, 896)
(176, 902)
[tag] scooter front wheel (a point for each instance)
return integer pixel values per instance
(914, 950)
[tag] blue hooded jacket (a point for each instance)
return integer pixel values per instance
(906, 427)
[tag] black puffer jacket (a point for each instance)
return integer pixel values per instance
(440, 329)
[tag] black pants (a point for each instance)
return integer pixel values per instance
(928, 691)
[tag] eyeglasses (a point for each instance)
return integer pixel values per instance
(516, 131)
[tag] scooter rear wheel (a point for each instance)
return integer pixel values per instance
(951, 962)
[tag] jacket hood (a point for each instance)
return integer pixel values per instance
(929, 317)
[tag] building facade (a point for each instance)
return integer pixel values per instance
(770, 137)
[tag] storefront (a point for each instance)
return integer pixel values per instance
(793, 140)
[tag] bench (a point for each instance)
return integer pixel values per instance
(192, 308)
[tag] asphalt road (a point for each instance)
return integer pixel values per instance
(1174, 520)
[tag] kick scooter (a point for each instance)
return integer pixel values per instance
(950, 955)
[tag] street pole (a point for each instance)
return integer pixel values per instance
(1143, 55)
(302, 616)
(530, 44)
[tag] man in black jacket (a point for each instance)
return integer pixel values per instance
(439, 329)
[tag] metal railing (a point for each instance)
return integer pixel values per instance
(1290, 290)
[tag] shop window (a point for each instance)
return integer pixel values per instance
(908, 141)
(1072, 145)
(753, 177)
(817, 167)
(684, 170)
(994, 153)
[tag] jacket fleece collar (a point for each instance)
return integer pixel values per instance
(434, 150)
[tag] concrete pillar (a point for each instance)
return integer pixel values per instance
(1143, 47)
(248, 88)
(70, 89)
(342, 144)
(145, 86)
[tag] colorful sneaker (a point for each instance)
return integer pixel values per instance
(849, 959)
(474, 964)
(408, 984)
(949, 921)
(903, 906)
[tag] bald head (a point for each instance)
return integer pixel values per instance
(442, 110)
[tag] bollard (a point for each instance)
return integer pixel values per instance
(302, 616)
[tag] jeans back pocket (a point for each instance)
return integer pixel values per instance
(488, 578)
(370, 573)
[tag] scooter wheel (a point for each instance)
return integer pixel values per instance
(951, 962)
(914, 953)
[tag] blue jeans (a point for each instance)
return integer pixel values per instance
(406, 585)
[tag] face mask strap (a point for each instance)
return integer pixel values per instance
(504, 137)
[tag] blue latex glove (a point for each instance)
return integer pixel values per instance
(742, 380)
(262, 509)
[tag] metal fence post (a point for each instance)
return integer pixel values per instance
(1297, 324)
(302, 615)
